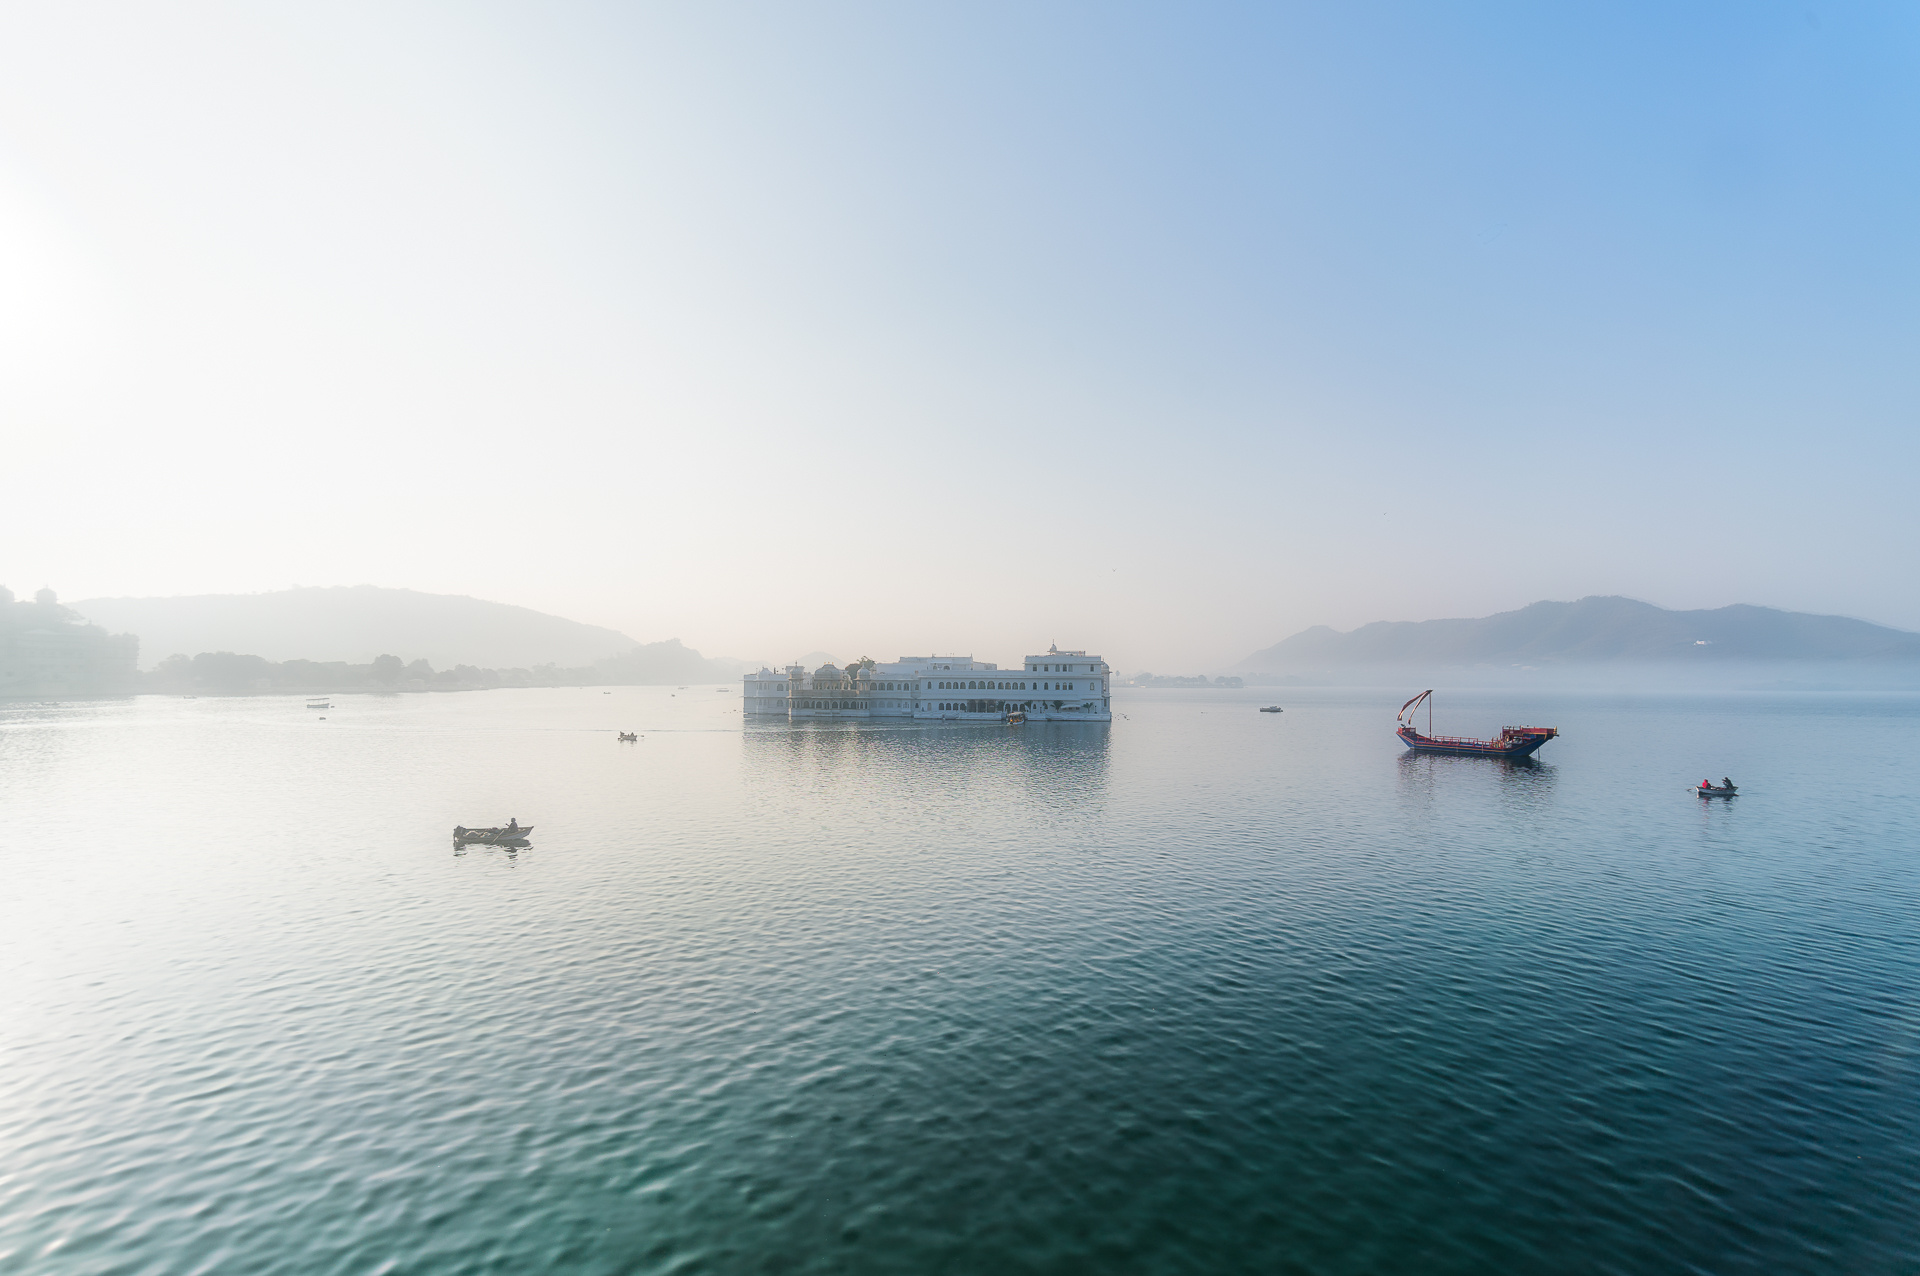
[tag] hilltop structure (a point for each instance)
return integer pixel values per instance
(1057, 686)
(48, 650)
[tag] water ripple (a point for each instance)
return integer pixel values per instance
(1213, 992)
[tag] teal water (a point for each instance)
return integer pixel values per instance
(1203, 990)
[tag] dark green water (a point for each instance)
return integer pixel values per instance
(1202, 991)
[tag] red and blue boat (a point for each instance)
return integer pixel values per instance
(1512, 742)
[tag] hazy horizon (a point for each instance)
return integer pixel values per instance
(236, 633)
(1163, 335)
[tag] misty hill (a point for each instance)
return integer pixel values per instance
(664, 663)
(1595, 630)
(357, 623)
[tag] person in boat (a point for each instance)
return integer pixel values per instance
(1725, 781)
(513, 825)
(1706, 784)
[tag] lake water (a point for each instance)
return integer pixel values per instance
(1202, 990)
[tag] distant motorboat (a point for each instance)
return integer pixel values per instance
(1016, 717)
(322, 703)
(628, 735)
(1272, 708)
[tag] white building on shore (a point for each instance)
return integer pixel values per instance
(1057, 686)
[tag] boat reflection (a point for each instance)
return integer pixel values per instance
(1517, 782)
(510, 854)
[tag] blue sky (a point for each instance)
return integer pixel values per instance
(1160, 330)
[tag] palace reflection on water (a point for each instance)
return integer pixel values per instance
(884, 766)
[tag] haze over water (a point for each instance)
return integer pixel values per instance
(1205, 990)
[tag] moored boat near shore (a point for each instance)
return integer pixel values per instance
(1512, 742)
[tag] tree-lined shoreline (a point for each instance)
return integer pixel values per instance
(231, 673)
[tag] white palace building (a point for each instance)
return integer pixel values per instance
(1060, 686)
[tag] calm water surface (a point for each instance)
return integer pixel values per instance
(1204, 990)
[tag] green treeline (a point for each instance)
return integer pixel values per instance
(1166, 680)
(226, 673)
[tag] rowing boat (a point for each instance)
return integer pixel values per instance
(512, 835)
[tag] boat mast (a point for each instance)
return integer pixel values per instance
(1412, 707)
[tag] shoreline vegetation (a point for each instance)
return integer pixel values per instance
(228, 673)
(1170, 680)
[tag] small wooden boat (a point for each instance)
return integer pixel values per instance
(322, 703)
(629, 736)
(1272, 708)
(1716, 790)
(511, 835)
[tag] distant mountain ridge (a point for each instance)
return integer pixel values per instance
(1594, 630)
(358, 622)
